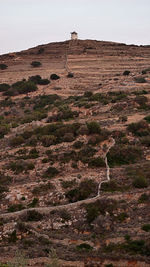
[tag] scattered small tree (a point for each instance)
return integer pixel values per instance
(36, 64)
(3, 66)
(54, 77)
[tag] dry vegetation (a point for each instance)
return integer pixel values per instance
(58, 115)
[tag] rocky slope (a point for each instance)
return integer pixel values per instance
(61, 138)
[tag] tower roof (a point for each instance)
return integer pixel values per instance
(73, 32)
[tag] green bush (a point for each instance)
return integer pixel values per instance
(141, 100)
(15, 207)
(110, 186)
(4, 87)
(51, 172)
(3, 66)
(70, 75)
(126, 72)
(99, 207)
(68, 184)
(124, 154)
(140, 182)
(78, 144)
(88, 94)
(84, 247)
(96, 163)
(147, 118)
(44, 100)
(33, 215)
(44, 82)
(33, 203)
(48, 140)
(35, 64)
(145, 140)
(38, 80)
(21, 87)
(140, 79)
(146, 227)
(140, 128)
(54, 77)
(143, 198)
(85, 189)
(20, 166)
(94, 127)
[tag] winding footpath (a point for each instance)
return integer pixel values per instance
(47, 210)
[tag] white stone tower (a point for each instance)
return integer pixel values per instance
(74, 36)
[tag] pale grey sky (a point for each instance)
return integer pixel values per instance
(27, 23)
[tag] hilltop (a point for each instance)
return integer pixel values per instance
(74, 154)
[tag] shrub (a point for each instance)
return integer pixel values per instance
(110, 186)
(97, 138)
(36, 64)
(78, 144)
(126, 72)
(143, 198)
(15, 207)
(83, 130)
(146, 227)
(124, 154)
(36, 79)
(48, 140)
(83, 191)
(142, 101)
(44, 82)
(33, 203)
(33, 215)
(44, 100)
(20, 166)
(140, 128)
(21, 87)
(94, 127)
(85, 153)
(140, 79)
(140, 182)
(54, 77)
(147, 118)
(99, 207)
(68, 184)
(70, 75)
(68, 137)
(96, 163)
(84, 247)
(51, 172)
(88, 94)
(4, 87)
(145, 141)
(3, 66)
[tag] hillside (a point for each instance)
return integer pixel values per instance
(74, 154)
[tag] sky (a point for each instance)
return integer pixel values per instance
(28, 23)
